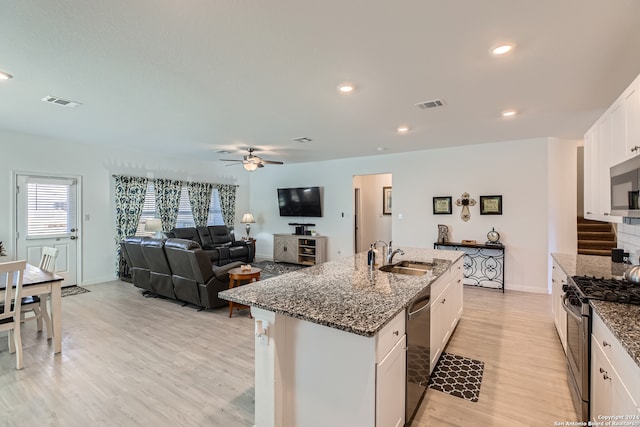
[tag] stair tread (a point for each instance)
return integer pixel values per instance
(594, 227)
(594, 252)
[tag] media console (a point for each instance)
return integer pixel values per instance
(299, 249)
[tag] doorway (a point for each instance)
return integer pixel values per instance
(371, 223)
(47, 211)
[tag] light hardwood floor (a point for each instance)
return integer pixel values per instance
(134, 361)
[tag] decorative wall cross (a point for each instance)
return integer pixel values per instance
(465, 202)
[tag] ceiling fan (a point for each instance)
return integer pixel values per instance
(252, 162)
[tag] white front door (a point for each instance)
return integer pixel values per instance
(46, 215)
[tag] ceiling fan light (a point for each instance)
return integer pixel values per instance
(250, 166)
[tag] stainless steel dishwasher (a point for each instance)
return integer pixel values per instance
(418, 355)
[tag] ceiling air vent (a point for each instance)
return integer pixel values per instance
(430, 104)
(59, 101)
(302, 139)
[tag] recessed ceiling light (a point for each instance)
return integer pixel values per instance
(346, 88)
(403, 129)
(382, 148)
(503, 49)
(509, 113)
(5, 76)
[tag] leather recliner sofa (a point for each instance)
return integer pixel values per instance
(177, 269)
(218, 242)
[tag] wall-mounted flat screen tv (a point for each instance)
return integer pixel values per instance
(303, 201)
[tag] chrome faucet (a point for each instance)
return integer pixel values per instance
(392, 254)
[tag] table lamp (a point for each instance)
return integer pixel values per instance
(248, 219)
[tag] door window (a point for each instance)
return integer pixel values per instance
(49, 210)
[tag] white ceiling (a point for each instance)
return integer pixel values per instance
(190, 77)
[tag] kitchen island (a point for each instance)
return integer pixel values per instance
(330, 340)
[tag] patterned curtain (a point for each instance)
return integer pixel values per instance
(130, 192)
(168, 202)
(227, 194)
(200, 199)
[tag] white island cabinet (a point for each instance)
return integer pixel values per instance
(311, 375)
(331, 343)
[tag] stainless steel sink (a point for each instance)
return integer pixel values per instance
(413, 268)
(420, 265)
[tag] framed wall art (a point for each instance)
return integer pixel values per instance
(442, 205)
(490, 205)
(386, 200)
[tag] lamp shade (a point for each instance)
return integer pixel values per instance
(247, 219)
(153, 224)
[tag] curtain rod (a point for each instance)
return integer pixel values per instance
(154, 179)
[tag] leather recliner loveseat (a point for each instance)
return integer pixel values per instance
(177, 269)
(218, 242)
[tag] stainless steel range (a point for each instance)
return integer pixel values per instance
(578, 291)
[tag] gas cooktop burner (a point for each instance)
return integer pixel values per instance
(614, 290)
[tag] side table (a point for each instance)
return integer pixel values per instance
(236, 278)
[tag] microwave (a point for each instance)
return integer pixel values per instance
(625, 188)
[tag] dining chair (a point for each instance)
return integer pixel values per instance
(37, 305)
(11, 274)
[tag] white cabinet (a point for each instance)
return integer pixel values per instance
(390, 386)
(391, 371)
(631, 102)
(615, 377)
(614, 138)
(312, 375)
(591, 191)
(295, 249)
(603, 163)
(446, 309)
(558, 280)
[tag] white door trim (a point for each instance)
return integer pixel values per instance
(80, 223)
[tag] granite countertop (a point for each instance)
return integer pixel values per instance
(344, 293)
(590, 265)
(622, 319)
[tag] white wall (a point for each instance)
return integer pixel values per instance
(95, 165)
(629, 240)
(562, 182)
(517, 170)
(374, 225)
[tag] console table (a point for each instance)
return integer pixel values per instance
(483, 264)
(297, 249)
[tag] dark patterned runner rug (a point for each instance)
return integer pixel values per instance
(73, 290)
(458, 376)
(273, 269)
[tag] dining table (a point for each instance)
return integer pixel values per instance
(38, 282)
